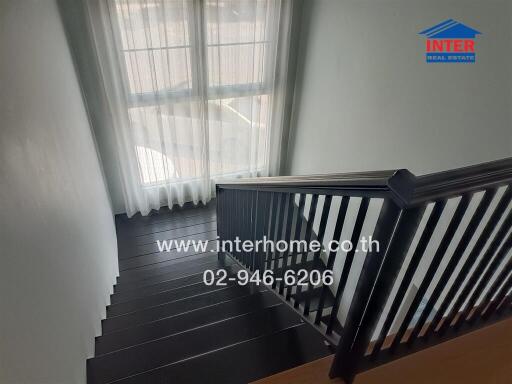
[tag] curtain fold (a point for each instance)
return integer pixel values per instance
(195, 90)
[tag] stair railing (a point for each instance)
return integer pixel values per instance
(443, 266)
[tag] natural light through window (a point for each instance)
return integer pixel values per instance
(198, 90)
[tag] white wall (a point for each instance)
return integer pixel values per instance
(57, 238)
(365, 98)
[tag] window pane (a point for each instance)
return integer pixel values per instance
(237, 21)
(236, 64)
(238, 36)
(238, 130)
(158, 69)
(167, 141)
(152, 24)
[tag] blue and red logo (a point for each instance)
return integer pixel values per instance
(450, 42)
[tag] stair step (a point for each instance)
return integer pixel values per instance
(143, 253)
(156, 260)
(314, 296)
(166, 285)
(143, 357)
(167, 225)
(176, 307)
(182, 322)
(179, 271)
(164, 268)
(164, 214)
(142, 303)
(176, 233)
(242, 363)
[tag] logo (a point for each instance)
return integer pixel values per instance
(450, 42)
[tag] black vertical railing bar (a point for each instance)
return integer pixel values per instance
(507, 300)
(497, 291)
(340, 221)
(274, 227)
(395, 233)
(431, 271)
(349, 258)
(354, 340)
(307, 237)
(320, 237)
(489, 272)
(251, 229)
(267, 209)
(487, 264)
(242, 229)
(219, 208)
(255, 218)
(252, 233)
(270, 227)
(235, 217)
(439, 323)
(298, 226)
(418, 254)
(280, 227)
(247, 227)
(286, 236)
(462, 245)
(258, 228)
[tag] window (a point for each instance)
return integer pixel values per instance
(199, 79)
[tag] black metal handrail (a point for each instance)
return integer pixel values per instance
(443, 266)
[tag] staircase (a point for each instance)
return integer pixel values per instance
(443, 268)
(165, 325)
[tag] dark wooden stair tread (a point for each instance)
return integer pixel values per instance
(163, 214)
(151, 289)
(163, 297)
(176, 233)
(157, 287)
(176, 271)
(182, 322)
(152, 248)
(128, 232)
(176, 266)
(244, 362)
(151, 355)
(176, 307)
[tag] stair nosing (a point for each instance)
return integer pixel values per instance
(301, 324)
(178, 314)
(168, 302)
(188, 330)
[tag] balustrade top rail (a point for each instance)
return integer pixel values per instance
(403, 186)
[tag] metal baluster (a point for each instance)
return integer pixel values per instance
(433, 219)
(496, 216)
(427, 279)
(290, 205)
(489, 272)
(321, 233)
(307, 237)
(395, 230)
(347, 265)
(340, 221)
(475, 221)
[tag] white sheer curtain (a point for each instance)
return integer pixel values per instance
(195, 91)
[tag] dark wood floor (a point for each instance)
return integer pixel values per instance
(165, 326)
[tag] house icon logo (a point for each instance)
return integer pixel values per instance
(450, 42)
